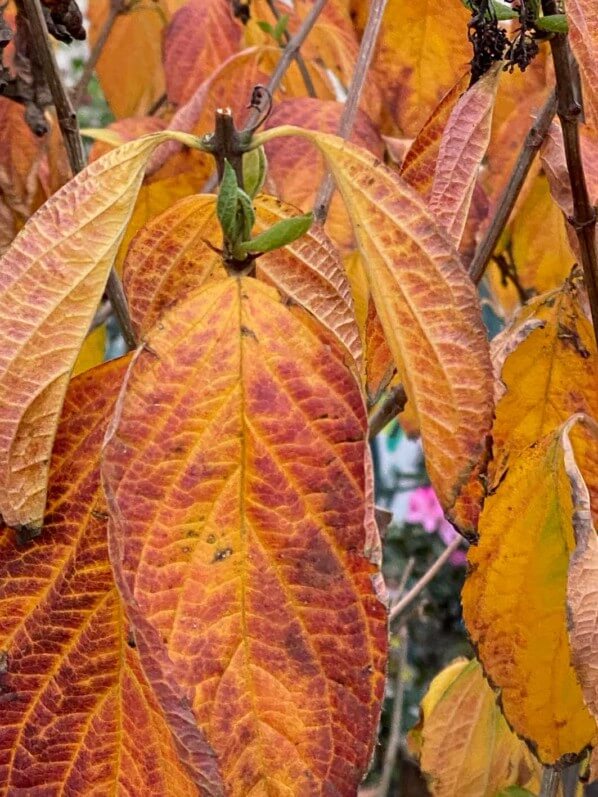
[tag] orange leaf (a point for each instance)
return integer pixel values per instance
(134, 49)
(51, 280)
(582, 16)
(555, 165)
(427, 305)
(422, 51)
(20, 156)
(289, 162)
(419, 165)
(463, 742)
(463, 146)
(248, 544)
(170, 257)
(78, 715)
(201, 35)
(514, 602)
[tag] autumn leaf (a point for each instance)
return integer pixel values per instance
(201, 35)
(419, 165)
(178, 252)
(548, 366)
(514, 601)
(20, 157)
(253, 539)
(535, 245)
(427, 305)
(582, 17)
(463, 742)
(92, 351)
(580, 438)
(290, 160)
(463, 146)
(423, 49)
(133, 48)
(79, 716)
(51, 279)
(555, 165)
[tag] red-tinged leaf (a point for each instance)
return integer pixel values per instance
(291, 161)
(427, 305)
(555, 165)
(582, 16)
(419, 165)
(78, 715)
(462, 149)
(201, 35)
(248, 544)
(51, 280)
(230, 87)
(175, 254)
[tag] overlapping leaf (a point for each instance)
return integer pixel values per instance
(580, 442)
(555, 165)
(19, 159)
(582, 16)
(462, 149)
(514, 601)
(463, 742)
(427, 305)
(51, 280)
(78, 716)
(176, 254)
(536, 246)
(290, 161)
(550, 373)
(247, 542)
(419, 165)
(423, 50)
(201, 35)
(133, 49)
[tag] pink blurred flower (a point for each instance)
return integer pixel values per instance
(424, 508)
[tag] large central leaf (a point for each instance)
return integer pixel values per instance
(237, 474)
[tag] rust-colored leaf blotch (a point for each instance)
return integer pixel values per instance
(237, 474)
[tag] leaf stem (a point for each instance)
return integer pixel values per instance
(115, 10)
(527, 155)
(347, 120)
(393, 403)
(423, 582)
(302, 66)
(390, 756)
(550, 782)
(69, 127)
(570, 110)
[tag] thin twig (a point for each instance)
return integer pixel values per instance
(390, 406)
(405, 576)
(347, 120)
(531, 145)
(103, 313)
(309, 86)
(394, 739)
(550, 782)
(570, 109)
(69, 127)
(116, 8)
(423, 582)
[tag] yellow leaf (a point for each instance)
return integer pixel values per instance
(92, 352)
(51, 280)
(463, 742)
(427, 305)
(514, 601)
